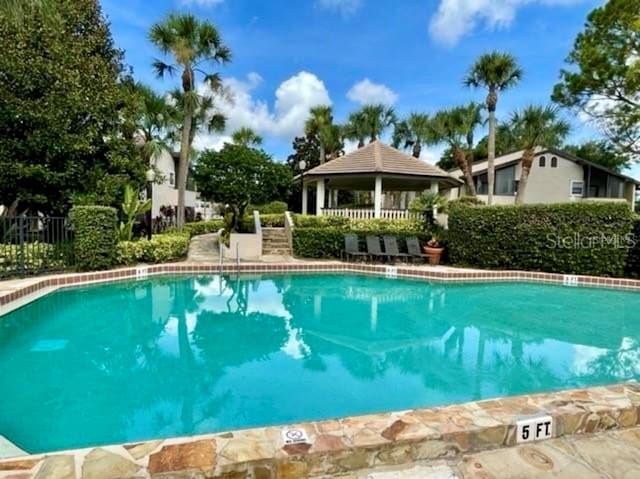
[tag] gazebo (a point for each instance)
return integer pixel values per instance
(376, 168)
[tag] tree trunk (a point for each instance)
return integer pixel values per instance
(461, 161)
(360, 142)
(323, 155)
(185, 146)
(471, 188)
(492, 100)
(417, 149)
(183, 165)
(527, 161)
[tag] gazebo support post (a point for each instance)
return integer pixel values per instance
(305, 199)
(435, 189)
(319, 196)
(377, 198)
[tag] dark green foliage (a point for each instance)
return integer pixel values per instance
(274, 207)
(467, 200)
(161, 248)
(310, 221)
(202, 227)
(324, 237)
(275, 220)
(633, 260)
(95, 236)
(602, 67)
(600, 152)
(238, 175)
(577, 238)
(63, 111)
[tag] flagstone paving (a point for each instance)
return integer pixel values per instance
(610, 455)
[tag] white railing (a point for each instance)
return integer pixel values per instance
(367, 213)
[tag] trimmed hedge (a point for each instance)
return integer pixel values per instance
(573, 238)
(275, 220)
(203, 227)
(329, 242)
(95, 236)
(309, 221)
(633, 259)
(275, 207)
(319, 238)
(160, 249)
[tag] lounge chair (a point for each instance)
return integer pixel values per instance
(351, 247)
(391, 248)
(373, 247)
(413, 247)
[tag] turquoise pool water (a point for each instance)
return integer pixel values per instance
(182, 355)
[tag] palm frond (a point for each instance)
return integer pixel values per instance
(161, 68)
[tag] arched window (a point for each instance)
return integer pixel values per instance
(554, 162)
(543, 161)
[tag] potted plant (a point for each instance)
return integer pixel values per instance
(433, 249)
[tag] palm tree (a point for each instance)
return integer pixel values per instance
(356, 128)
(454, 127)
(412, 133)
(496, 72)
(154, 122)
(192, 44)
(319, 124)
(469, 118)
(377, 118)
(246, 137)
(533, 126)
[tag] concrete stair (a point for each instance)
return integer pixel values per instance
(274, 242)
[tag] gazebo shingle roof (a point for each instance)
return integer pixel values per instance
(377, 157)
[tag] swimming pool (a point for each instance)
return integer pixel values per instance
(175, 356)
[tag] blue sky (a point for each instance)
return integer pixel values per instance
(291, 54)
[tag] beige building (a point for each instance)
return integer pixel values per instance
(556, 177)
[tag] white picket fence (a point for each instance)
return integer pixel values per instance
(366, 213)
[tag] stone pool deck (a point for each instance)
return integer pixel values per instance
(348, 447)
(475, 439)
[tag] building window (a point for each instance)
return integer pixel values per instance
(172, 179)
(543, 161)
(577, 188)
(554, 162)
(482, 184)
(505, 181)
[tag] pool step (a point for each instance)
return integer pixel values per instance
(9, 449)
(275, 242)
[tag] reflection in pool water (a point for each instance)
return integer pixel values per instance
(181, 355)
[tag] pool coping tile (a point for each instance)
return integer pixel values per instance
(347, 444)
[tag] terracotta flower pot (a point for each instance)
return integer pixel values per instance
(434, 254)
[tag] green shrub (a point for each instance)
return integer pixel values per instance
(384, 226)
(95, 236)
(328, 242)
(633, 259)
(272, 220)
(275, 207)
(309, 221)
(467, 200)
(573, 238)
(161, 248)
(203, 227)
(35, 256)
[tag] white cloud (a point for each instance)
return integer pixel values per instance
(366, 92)
(456, 18)
(201, 3)
(345, 7)
(293, 99)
